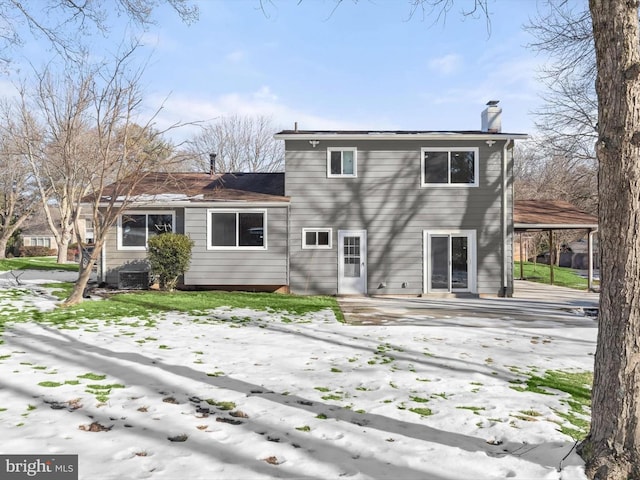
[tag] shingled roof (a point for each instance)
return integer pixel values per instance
(550, 214)
(201, 187)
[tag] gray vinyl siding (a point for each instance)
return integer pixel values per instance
(213, 267)
(387, 200)
(117, 260)
(238, 267)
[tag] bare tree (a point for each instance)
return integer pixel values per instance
(563, 32)
(62, 165)
(95, 139)
(19, 197)
(238, 144)
(558, 170)
(63, 23)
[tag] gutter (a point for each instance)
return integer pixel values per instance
(401, 136)
(555, 226)
(199, 204)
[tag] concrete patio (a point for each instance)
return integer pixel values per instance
(548, 305)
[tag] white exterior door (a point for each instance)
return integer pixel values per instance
(352, 262)
(450, 260)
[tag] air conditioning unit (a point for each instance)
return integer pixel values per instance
(128, 280)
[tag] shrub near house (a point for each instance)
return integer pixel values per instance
(169, 256)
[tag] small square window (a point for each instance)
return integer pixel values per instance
(316, 238)
(341, 162)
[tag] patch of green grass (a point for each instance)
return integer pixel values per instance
(322, 389)
(198, 302)
(305, 428)
(336, 370)
(419, 399)
(531, 413)
(35, 263)
(332, 396)
(60, 290)
(562, 276)
(575, 384)
(321, 416)
(475, 410)
(143, 305)
(105, 387)
(92, 376)
(424, 412)
(444, 396)
(221, 405)
(50, 384)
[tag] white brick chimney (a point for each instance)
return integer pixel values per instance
(492, 117)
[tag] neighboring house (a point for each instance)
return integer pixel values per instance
(360, 212)
(36, 232)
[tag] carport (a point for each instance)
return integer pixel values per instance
(549, 216)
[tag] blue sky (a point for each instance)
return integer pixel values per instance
(364, 65)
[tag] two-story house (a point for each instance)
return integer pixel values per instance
(358, 212)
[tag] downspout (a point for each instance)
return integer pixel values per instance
(504, 290)
(103, 265)
(288, 249)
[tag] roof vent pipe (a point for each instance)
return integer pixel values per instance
(212, 163)
(295, 126)
(492, 117)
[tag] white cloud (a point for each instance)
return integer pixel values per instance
(188, 108)
(236, 56)
(446, 64)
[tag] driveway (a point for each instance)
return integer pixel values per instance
(545, 305)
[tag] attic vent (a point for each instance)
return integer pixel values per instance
(133, 280)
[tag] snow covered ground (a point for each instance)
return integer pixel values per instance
(242, 394)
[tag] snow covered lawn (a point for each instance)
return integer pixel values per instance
(243, 394)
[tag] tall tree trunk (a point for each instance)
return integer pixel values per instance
(3, 247)
(63, 246)
(612, 448)
(77, 294)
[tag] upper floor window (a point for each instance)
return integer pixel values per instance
(135, 229)
(237, 229)
(449, 166)
(341, 162)
(316, 238)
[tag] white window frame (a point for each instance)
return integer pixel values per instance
(33, 242)
(237, 212)
(355, 162)
(305, 246)
(476, 169)
(472, 259)
(142, 212)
